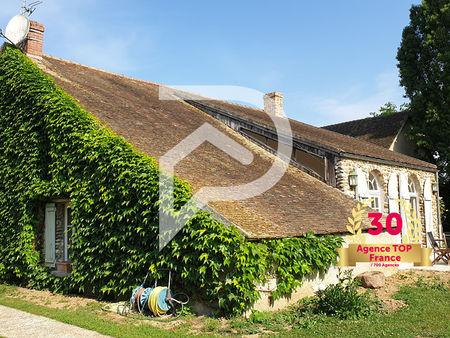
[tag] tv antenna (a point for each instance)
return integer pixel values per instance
(31, 7)
(18, 27)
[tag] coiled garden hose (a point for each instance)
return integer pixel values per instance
(157, 301)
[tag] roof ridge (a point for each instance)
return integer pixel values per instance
(104, 71)
(200, 96)
(366, 118)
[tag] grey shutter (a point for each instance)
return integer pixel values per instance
(50, 234)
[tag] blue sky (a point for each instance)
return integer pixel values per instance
(333, 60)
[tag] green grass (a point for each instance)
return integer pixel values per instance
(86, 317)
(427, 315)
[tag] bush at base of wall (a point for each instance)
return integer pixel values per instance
(50, 147)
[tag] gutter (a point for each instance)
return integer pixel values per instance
(388, 162)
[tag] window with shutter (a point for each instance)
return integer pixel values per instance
(50, 234)
(374, 192)
(412, 195)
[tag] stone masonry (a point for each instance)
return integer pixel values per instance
(345, 165)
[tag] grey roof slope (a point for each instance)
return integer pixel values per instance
(380, 130)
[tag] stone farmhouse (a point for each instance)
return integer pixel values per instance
(315, 194)
(328, 171)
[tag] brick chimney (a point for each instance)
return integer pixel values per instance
(35, 39)
(273, 104)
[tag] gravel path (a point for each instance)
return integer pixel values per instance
(15, 323)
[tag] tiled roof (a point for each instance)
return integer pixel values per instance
(335, 142)
(380, 130)
(298, 203)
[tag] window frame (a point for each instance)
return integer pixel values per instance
(413, 195)
(67, 227)
(376, 195)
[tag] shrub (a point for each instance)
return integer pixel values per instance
(342, 299)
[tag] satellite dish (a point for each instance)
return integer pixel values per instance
(17, 29)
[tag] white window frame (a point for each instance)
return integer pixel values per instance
(374, 194)
(413, 195)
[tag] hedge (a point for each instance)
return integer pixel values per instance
(50, 147)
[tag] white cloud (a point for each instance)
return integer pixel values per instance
(354, 103)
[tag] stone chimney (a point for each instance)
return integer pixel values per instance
(35, 39)
(273, 104)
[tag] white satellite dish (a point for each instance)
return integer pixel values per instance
(17, 29)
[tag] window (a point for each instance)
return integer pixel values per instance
(67, 232)
(412, 194)
(374, 192)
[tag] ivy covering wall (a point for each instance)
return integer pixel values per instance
(52, 148)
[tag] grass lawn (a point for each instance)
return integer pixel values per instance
(426, 314)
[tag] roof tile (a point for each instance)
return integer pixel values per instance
(298, 203)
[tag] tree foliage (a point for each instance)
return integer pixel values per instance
(424, 65)
(389, 108)
(50, 148)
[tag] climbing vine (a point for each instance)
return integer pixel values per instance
(51, 148)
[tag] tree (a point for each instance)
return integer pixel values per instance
(424, 65)
(390, 108)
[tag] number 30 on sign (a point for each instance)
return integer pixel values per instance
(376, 222)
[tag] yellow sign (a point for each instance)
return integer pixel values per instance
(385, 254)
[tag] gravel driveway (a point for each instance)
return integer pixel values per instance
(15, 323)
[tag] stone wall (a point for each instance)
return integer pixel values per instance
(345, 165)
(265, 303)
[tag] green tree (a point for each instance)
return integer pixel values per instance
(424, 65)
(389, 108)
